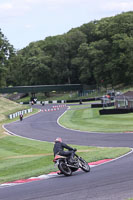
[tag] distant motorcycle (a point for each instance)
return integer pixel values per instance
(21, 117)
(65, 166)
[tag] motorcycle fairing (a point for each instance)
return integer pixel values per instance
(58, 157)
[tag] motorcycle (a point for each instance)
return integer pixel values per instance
(21, 117)
(67, 168)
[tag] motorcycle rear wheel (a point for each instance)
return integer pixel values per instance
(64, 169)
(84, 165)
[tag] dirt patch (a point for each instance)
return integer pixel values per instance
(29, 156)
(6, 133)
(86, 150)
(36, 155)
(2, 136)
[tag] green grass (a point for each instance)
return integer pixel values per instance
(7, 107)
(89, 119)
(23, 158)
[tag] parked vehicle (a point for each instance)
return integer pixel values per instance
(67, 168)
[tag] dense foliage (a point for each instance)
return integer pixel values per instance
(6, 52)
(100, 52)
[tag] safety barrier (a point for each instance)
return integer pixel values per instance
(115, 111)
(17, 114)
(63, 101)
(101, 105)
(45, 102)
(54, 108)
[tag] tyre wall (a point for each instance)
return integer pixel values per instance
(101, 105)
(114, 111)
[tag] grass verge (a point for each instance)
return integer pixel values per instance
(8, 107)
(24, 158)
(89, 119)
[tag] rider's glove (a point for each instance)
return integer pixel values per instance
(75, 149)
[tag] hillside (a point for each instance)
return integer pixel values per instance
(7, 107)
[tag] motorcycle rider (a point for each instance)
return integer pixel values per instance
(21, 117)
(59, 150)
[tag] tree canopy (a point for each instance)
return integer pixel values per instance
(6, 52)
(99, 52)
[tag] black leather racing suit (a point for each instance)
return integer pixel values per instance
(59, 149)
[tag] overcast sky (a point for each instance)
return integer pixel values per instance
(25, 21)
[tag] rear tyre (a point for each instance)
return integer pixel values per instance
(64, 169)
(84, 165)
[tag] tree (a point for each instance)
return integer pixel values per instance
(82, 64)
(6, 52)
(122, 50)
(99, 52)
(74, 39)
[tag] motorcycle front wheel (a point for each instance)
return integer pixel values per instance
(84, 165)
(64, 169)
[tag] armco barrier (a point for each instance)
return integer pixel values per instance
(17, 114)
(64, 101)
(45, 102)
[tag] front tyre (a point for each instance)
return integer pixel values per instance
(64, 169)
(84, 165)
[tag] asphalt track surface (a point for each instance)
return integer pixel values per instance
(110, 181)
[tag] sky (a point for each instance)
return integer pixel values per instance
(26, 21)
